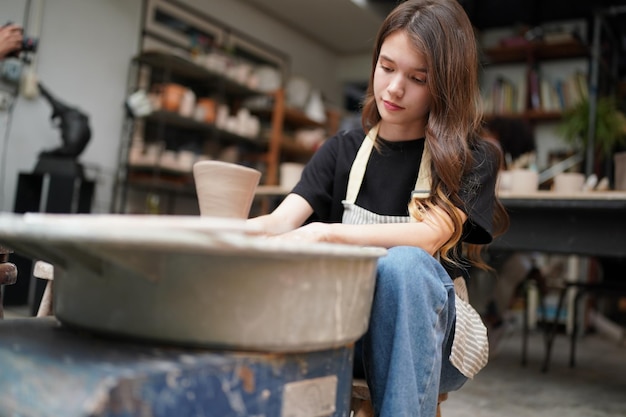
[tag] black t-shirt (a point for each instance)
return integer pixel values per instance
(389, 179)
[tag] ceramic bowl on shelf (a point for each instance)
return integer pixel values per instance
(198, 281)
(290, 173)
(206, 109)
(297, 92)
(185, 160)
(310, 138)
(169, 160)
(268, 78)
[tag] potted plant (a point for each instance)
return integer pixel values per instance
(610, 125)
(610, 131)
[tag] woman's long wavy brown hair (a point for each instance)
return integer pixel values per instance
(442, 32)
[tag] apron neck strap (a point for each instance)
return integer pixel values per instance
(357, 171)
(422, 186)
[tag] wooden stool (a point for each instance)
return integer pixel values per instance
(361, 403)
(45, 271)
(8, 273)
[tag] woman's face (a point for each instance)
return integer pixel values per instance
(401, 88)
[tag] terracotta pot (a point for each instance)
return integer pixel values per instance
(208, 109)
(172, 96)
(225, 189)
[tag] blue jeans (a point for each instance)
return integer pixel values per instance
(404, 354)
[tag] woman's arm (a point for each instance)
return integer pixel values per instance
(289, 215)
(429, 234)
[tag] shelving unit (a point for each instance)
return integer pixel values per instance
(284, 119)
(535, 51)
(214, 61)
(264, 152)
(530, 56)
(176, 120)
(172, 131)
(608, 65)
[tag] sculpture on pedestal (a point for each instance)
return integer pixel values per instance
(75, 135)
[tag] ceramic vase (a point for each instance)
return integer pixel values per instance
(225, 189)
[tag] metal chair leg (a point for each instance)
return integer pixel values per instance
(574, 336)
(525, 327)
(550, 333)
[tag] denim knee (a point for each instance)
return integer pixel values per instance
(400, 268)
(412, 314)
(411, 276)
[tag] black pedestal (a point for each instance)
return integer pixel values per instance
(58, 166)
(50, 193)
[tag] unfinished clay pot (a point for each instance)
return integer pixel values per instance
(225, 189)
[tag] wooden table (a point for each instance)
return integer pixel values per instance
(586, 224)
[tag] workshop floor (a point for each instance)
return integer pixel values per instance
(596, 387)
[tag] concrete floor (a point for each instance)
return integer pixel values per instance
(596, 387)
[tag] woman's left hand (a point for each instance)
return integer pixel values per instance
(312, 232)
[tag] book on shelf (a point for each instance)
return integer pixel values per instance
(549, 99)
(534, 89)
(504, 96)
(574, 89)
(559, 37)
(536, 92)
(560, 94)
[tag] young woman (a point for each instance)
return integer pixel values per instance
(417, 179)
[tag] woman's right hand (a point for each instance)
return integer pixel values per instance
(289, 215)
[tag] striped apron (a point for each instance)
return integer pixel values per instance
(470, 347)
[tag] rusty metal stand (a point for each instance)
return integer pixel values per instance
(61, 371)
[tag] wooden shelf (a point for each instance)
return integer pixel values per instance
(271, 191)
(535, 50)
(530, 115)
(293, 118)
(159, 179)
(176, 120)
(295, 150)
(184, 67)
(297, 118)
(521, 97)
